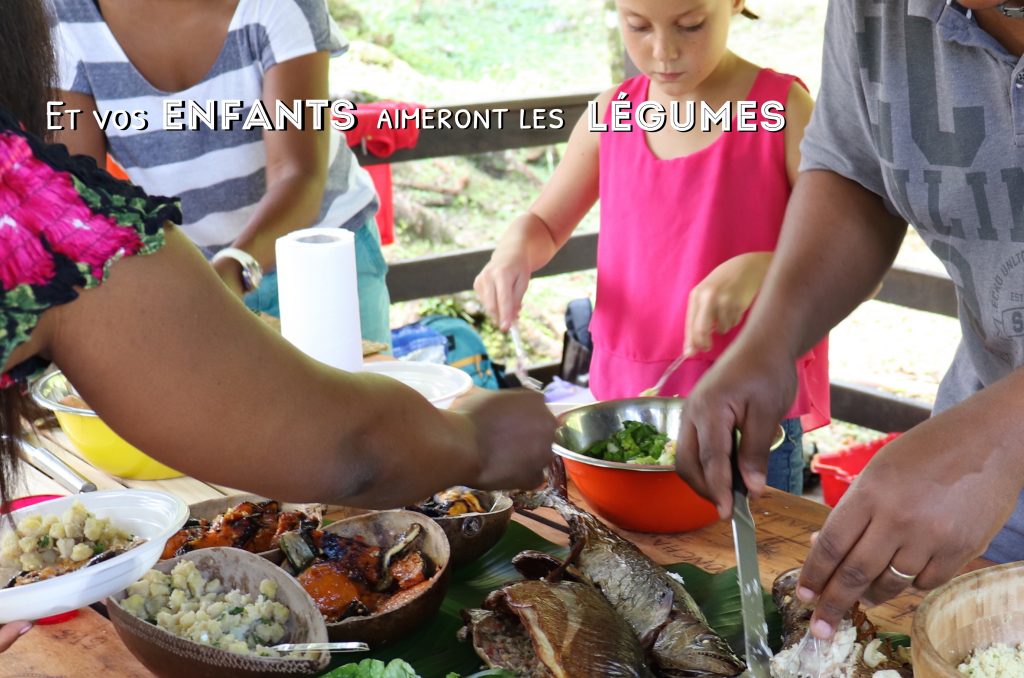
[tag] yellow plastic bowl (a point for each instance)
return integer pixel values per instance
(96, 442)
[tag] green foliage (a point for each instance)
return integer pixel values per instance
(374, 668)
(526, 41)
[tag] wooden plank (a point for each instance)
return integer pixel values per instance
(55, 441)
(920, 290)
(875, 409)
(87, 645)
(434, 276)
(189, 489)
(434, 143)
(32, 482)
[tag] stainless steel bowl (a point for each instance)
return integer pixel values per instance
(581, 427)
(51, 389)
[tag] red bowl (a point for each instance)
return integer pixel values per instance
(642, 501)
(634, 497)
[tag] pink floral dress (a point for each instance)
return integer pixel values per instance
(63, 222)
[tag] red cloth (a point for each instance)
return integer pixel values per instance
(380, 136)
(381, 175)
(382, 143)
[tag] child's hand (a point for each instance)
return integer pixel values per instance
(717, 304)
(501, 286)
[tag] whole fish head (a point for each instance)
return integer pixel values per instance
(684, 649)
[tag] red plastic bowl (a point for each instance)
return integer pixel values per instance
(642, 501)
(22, 502)
(634, 497)
(839, 469)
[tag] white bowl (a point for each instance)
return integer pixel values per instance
(154, 516)
(440, 384)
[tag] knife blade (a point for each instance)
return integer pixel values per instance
(49, 464)
(755, 630)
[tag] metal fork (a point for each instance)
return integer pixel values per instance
(525, 380)
(656, 389)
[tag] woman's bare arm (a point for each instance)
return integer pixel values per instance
(184, 371)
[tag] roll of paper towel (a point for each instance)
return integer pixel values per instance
(316, 280)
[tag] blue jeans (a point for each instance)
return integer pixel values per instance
(786, 464)
(371, 271)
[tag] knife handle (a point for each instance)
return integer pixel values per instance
(49, 464)
(734, 460)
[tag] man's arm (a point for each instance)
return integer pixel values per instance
(837, 242)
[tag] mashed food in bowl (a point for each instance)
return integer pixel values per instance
(41, 547)
(187, 604)
(994, 662)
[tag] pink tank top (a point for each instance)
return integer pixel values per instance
(665, 225)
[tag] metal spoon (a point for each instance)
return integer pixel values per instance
(321, 647)
(525, 380)
(656, 389)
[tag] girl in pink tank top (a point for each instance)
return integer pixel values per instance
(689, 217)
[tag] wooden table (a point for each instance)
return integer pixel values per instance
(89, 646)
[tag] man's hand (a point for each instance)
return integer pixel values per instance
(750, 387)
(11, 632)
(514, 433)
(927, 504)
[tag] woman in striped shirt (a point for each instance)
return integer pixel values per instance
(240, 189)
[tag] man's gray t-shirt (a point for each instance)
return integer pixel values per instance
(923, 107)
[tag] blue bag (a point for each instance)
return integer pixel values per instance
(466, 350)
(419, 343)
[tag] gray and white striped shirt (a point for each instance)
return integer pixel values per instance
(219, 175)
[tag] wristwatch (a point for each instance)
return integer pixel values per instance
(1012, 9)
(252, 272)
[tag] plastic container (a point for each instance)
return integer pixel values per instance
(23, 502)
(152, 516)
(838, 469)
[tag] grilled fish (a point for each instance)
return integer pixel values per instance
(544, 629)
(855, 650)
(658, 607)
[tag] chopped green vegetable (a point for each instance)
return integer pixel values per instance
(44, 541)
(374, 668)
(636, 443)
(396, 668)
(98, 548)
(236, 610)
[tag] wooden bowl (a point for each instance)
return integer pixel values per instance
(471, 535)
(211, 508)
(970, 612)
(166, 654)
(381, 529)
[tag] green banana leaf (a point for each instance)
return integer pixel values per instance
(434, 651)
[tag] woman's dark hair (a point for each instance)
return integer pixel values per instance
(26, 77)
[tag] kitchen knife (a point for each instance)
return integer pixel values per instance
(52, 466)
(755, 630)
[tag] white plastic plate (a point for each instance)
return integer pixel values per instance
(440, 384)
(154, 516)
